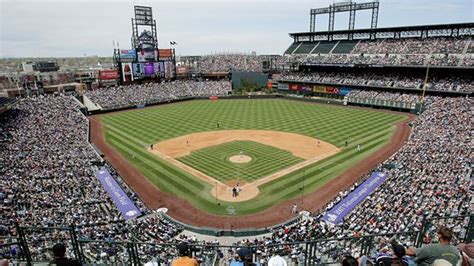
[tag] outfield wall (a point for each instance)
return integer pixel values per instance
(319, 87)
(281, 94)
(340, 92)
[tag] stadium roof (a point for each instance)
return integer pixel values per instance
(461, 28)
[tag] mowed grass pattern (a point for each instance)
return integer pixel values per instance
(133, 132)
(214, 161)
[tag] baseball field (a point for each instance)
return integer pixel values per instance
(273, 150)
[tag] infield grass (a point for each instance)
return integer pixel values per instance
(133, 132)
(214, 161)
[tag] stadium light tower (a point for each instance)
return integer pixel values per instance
(344, 6)
(143, 20)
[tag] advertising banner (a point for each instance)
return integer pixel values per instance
(307, 89)
(319, 88)
(269, 85)
(169, 71)
(283, 86)
(118, 196)
(108, 75)
(338, 212)
(182, 70)
(344, 91)
(128, 55)
(295, 87)
(149, 69)
(159, 69)
(165, 54)
(127, 72)
(332, 90)
(147, 55)
(138, 70)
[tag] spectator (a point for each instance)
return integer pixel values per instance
(60, 259)
(244, 258)
(184, 259)
(396, 257)
(428, 254)
(467, 253)
(276, 260)
(349, 261)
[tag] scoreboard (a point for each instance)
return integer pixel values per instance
(143, 15)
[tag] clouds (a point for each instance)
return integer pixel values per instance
(75, 27)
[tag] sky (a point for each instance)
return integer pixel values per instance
(75, 28)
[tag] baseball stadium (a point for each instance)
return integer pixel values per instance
(351, 147)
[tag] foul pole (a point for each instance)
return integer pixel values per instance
(425, 84)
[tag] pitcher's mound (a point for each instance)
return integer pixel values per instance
(240, 159)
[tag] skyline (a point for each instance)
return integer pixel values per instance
(75, 28)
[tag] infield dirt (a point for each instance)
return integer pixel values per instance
(310, 149)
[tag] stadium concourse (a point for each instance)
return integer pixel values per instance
(47, 180)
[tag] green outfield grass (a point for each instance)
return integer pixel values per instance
(133, 132)
(214, 161)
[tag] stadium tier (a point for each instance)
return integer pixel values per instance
(403, 46)
(388, 79)
(131, 95)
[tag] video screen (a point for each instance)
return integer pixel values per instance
(147, 55)
(138, 70)
(148, 70)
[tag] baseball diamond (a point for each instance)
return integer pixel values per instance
(132, 133)
(204, 138)
(215, 160)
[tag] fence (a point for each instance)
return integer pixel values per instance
(33, 245)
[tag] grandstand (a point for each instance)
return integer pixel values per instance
(439, 45)
(388, 67)
(51, 190)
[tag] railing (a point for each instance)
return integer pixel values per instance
(33, 244)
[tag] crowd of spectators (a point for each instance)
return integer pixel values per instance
(432, 45)
(47, 179)
(430, 178)
(129, 95)
(391, 80)
(375, 59)
(437, 51)
(229, 62)
(468, 60)
(384, 95)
